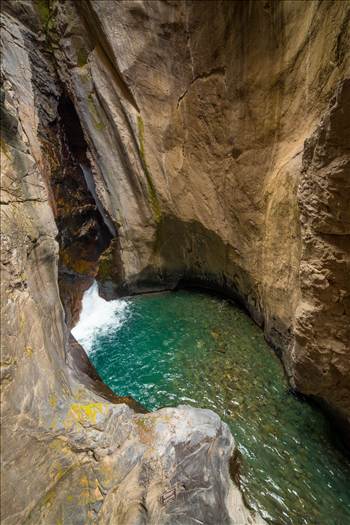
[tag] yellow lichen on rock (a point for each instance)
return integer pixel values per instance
(85, 414)
(53, 400)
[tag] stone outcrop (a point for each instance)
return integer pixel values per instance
(153, 144)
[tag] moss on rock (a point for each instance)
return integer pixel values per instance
(152, 194)
(96, 118)
(106, 266)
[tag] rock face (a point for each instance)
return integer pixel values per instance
(73, 452)
(198, 130)
(153, 144)
(320, 357)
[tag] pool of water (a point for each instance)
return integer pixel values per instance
(191, 348)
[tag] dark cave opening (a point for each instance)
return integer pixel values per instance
(83, 233)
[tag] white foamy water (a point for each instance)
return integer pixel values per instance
(98, 315)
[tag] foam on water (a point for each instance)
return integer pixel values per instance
(98, 316)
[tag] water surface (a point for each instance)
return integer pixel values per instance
(191, 348)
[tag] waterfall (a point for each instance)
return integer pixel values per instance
(98, 315)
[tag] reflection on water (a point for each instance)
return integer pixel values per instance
(191, 348)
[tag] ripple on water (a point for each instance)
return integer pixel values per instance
(186, 347)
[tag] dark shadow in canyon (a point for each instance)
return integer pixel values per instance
(83, 234)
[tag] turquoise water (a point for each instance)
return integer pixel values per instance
(195, 349)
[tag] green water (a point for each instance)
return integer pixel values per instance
(191, 348)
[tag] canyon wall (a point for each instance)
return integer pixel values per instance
(202, 125)
(72, 451)
(154, 144)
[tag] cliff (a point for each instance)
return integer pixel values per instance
(200, 132)
(156, 144)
